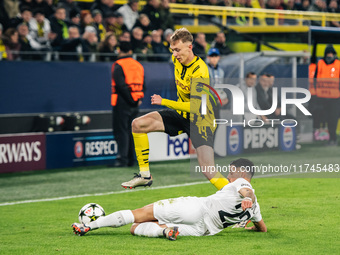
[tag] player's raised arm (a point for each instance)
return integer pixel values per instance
(176, 105)
(249, 198)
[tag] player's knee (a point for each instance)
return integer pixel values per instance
(136, 125)
(133, 227)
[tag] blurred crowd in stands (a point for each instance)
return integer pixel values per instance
(78, 29)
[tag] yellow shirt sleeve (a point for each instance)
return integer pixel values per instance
(181, 106)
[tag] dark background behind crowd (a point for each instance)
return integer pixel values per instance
(78, 29)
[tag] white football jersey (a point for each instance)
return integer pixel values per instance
(223, 209)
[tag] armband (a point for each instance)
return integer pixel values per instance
(248, 198)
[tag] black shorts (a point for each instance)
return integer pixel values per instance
(175, 124)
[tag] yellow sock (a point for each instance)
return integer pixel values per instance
(219, 181)
(142, 151)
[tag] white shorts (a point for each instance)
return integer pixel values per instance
(187, 213)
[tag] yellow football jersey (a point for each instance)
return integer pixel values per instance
(197, 68)
(184, 74)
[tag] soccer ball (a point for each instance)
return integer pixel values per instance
(90, 212)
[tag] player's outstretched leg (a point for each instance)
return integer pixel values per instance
(115, 220)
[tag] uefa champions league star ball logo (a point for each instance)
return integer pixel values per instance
(78, 149)
(234, 139)
(288, 137)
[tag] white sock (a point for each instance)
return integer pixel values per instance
(115, 220)
(149, 229)
(145, 174)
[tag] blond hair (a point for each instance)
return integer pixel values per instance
(182, 34)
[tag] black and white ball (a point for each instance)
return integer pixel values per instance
(90, 212)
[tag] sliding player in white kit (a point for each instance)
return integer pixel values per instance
(235, 203)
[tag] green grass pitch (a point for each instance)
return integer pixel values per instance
(300, 211)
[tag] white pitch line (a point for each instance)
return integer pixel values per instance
(100, 194)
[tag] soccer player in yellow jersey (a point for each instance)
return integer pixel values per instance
(177, 119)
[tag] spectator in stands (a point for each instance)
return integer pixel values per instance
(105, 6)
(41, 29)
(85, 20)
(137, 43)
(200, 45)
(120, 24)
(11, 41)
(144, 23)
(98, 24)
(59, 26)
(115, 24)
(333, 8)
(166, 17)
(125, 37)
(152, 10)
(147, 40)
(158, 47)
(69, 5)
(317, 6)
(166, 36)
(249, 82)
(298, 5)
(264, 93)
(27, 44)
(216, 75)
(75, 47)
(220, 43)
(109, 48)
(305, 5)
(130, 13)
(75, 18)
(110, 21)
(3, 47)
(137, 39)
(25, 17)
(90, 39)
